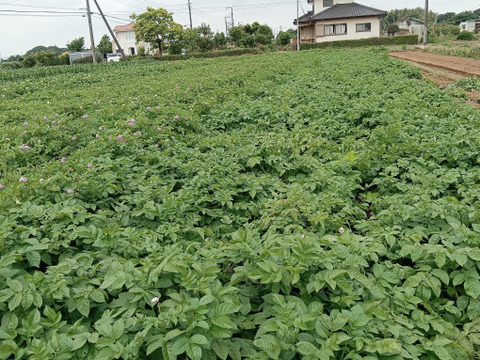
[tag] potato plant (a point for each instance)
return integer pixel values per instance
(314, 205)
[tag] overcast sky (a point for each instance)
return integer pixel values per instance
(21, 33)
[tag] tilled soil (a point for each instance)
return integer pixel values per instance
(464, 66)
(443, 70)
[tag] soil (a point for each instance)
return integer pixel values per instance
(443, 70)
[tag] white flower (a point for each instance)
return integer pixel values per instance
(341, 230)
(155, 300)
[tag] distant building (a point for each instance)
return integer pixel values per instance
(126, 37)
(470, 25)
(410, 26)
(72, 56)
(332, 20)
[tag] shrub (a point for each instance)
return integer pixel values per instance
(87, 60)
(465, 35)
(396, 40)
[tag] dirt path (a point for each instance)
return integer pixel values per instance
(464, 66)
(443, 70)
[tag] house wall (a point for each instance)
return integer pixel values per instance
(351, 34)
(127, 42)
(318, 4)
(307, 34)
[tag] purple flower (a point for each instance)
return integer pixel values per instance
(56, 115)
(74, 138)
(70, 191)
(25, 124)
(159, 129)
(132, 121)
(25, 132)
(54, 122)
(1, 186)
(100, 128)
(130, 124)
(137, 133)
(23, 179)
(176, 117)
(85, 116)
(42, 180)
(63, 160)
(97, 136)
(90, 166)
(45, 118)
(120, 137)
(149, 108)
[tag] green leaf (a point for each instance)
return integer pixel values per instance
(6, 350)
(199, 340)
(474, 254)
(33, 258)
(442, 275)
(15, 301)
(306, 348)
(221, 349)
(472, 287)
(15, 285)
(180, 345)
(97, 296)
(207, 299)
(154, 344)
(83, 306)
(105, 354)
(442, 353)
(194, 352)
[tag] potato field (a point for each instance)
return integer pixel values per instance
(312, 205)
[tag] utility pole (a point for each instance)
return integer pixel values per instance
(226, 26)
(425, 30)
(92, 41)
(190, 13)
(231, 16)
(110, 30)
(298, 26)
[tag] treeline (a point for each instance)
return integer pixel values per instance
(433, 17)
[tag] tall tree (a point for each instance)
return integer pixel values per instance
(76, 44)
(156, 26)
(105, 45)
(205, 31)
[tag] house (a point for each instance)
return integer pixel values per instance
(126, 37)
(470, 25)
(332, 20)
(410, 26)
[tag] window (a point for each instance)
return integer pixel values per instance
(327, 3)
(364, 27)
(337, 29)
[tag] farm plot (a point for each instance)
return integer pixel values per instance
(314, 205)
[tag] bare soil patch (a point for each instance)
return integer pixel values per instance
(443, 70)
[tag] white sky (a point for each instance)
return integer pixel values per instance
(19, 34)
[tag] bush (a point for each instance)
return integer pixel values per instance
(465, 35)
(396, 40)
(87, 60)
(12, 65)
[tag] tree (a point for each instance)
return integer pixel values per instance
(220, 39)
(205, 31)
(392, 29)
(105, 45)
(76, 44)
(156, 26)
(190, 39)
(477, 12)
(283, 38)
(445, 17)
(463, 16)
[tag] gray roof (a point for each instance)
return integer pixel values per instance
(342, 11)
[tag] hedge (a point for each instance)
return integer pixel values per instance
(394, 40)
(209, 54)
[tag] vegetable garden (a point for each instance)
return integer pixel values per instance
(313, 205)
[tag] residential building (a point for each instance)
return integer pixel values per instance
(470, 25)
(411, 26)
(332, 20)
(126, 37)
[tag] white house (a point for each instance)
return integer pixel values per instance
(332, 20)
(126, 37)
(470, 25)
(412, 25)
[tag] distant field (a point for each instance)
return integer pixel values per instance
(313, 205)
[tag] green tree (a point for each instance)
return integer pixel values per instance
(190, 39)
(477, 12)
(392, 29)
(416, 13)
(220, 39)
(205, 31)
(445, 17)
(105, 45)
(156, 26)
(463, 16)
(76, 44)
(236, 33)
(283, 38)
